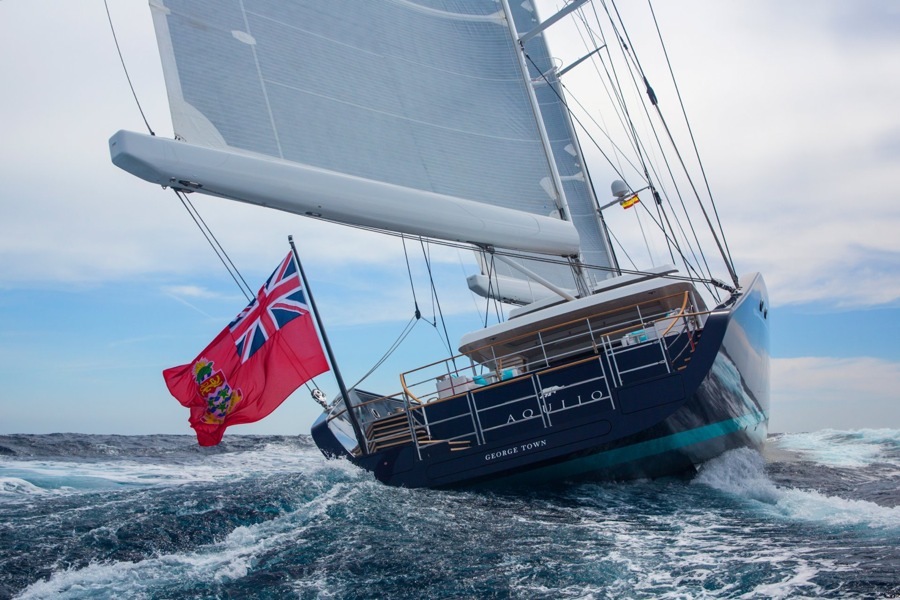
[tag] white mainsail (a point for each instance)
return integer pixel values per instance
(422, 105)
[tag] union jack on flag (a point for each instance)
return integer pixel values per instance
(279, 301)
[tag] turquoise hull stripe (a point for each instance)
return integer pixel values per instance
(644, 449)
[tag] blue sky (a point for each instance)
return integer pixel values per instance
(104, 281)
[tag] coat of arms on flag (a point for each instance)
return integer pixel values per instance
(269, 350)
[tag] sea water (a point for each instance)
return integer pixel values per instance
(816, 515)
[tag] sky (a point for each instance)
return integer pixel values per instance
(105, 280)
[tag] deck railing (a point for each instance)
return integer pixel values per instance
(608, 336)
(632, 327)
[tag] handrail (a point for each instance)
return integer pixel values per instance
(564, 324)
(573, 321)
(406, 389)
(557, 350)
(362, 404)
(678, 316)
(422, 403)
(683, 313)
(548, 328)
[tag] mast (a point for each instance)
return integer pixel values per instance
(360, 439)
(560, 199)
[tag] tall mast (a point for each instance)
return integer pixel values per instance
(560, 199)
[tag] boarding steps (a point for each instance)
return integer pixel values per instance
(685, 356)
(394, 430)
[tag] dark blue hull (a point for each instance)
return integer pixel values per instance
(651, 425)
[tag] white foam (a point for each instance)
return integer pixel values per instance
(741, 472)
(77, 477)
(810, 505)
(16, 487)
(788, 588)
(694, 550)
(859, 448)
(228, 560)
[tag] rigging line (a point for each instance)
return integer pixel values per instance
(535, 257)
(615, 97)
(636, 149)
(487, 300)
(124, 68)
(492, 273)
(626, 49)
(407, 329)
(462, 269)
(725, 257)
(675, 242)
(651, 95)
(630, 129)
(663, 215)
(630, 52)
(437, 300)
(620, 154)
(615, 103)
(640, 148)
(699, 246)
(689, 267)
(680, 197)
(575, 118)
(217, 248)
(636, 143)
(644, 235)
(216, 245)
(621, 247)
(690, 129)
(409, 271)
(498, 305)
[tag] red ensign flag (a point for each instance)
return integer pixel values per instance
(266, 353)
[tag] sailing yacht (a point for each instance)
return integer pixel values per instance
(446, 120)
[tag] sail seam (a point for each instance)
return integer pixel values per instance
(376, 54)
(496, 17)
(262, 84)
(400, 116)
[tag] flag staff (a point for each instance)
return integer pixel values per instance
(334, 367)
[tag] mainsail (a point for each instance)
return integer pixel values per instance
(426, 95)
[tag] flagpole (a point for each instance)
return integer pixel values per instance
(334, 367)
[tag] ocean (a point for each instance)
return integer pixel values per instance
(817, 515)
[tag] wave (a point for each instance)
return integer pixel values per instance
(272, 514)
(115, 469)
(742, 473)
(226, 561)
(15, 487)
(168, 447)
(857, 448)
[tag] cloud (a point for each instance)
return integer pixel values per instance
(799, 132)
(190, 291)
(793, 110)
(811, 393)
